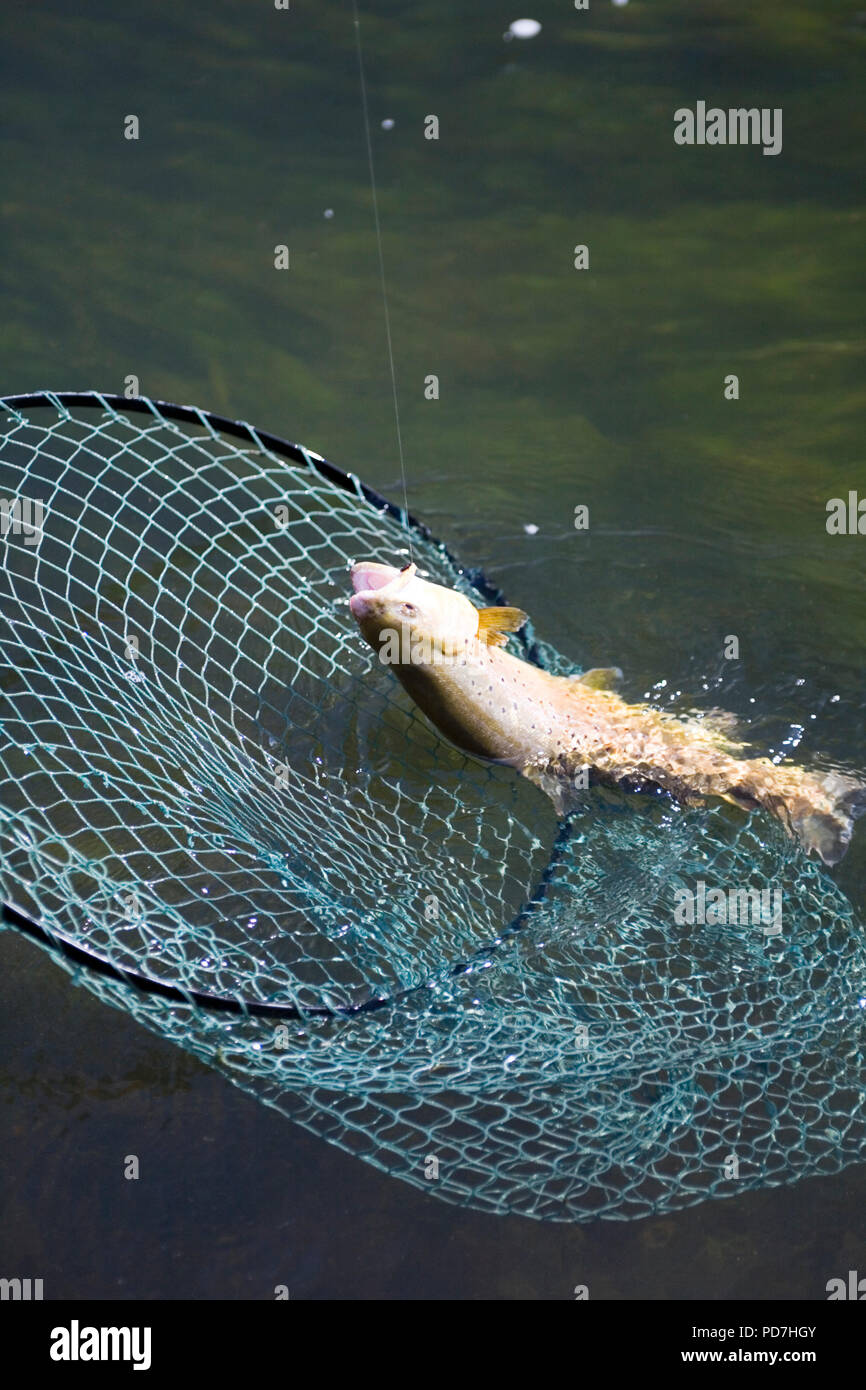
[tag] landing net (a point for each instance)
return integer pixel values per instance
(224, 816)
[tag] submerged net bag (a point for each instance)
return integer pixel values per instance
(221, 814)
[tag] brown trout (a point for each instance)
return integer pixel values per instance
(561, 731)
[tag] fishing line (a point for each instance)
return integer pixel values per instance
(365, 110)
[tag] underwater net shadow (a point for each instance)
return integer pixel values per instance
(276, 864)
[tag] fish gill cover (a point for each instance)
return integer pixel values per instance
(211, 793)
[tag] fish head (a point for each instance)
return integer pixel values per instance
(417, 621)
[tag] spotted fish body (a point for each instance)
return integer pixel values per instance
(559, 731)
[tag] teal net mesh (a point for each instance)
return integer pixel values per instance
(229, 820)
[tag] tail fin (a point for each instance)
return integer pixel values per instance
(827, 833)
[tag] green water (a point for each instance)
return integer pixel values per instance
(558, 387)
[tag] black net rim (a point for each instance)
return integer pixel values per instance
(82, 958)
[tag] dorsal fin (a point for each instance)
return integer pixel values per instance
(494, 624)
(600, 677)
(716, 724)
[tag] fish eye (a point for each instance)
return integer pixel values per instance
(408, 609)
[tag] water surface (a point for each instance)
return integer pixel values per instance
(557, 388)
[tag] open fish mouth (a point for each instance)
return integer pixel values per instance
(371, 581)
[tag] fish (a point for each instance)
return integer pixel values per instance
(565, 732)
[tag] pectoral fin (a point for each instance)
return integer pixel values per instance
(494, 624)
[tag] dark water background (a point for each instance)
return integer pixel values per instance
(558, 388)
